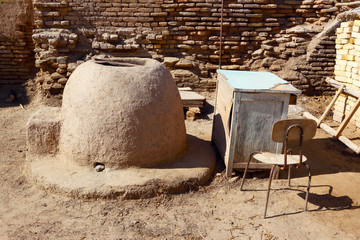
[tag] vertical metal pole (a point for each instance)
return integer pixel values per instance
(221, 32)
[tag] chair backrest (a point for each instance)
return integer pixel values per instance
(280, 127)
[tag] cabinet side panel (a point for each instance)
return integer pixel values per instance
(221, 131)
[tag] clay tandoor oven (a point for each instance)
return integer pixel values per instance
(121, 123)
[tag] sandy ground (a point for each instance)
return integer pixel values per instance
(216, 211)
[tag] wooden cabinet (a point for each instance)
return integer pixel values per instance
(247, 105)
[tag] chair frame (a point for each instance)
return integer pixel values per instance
(286, 151)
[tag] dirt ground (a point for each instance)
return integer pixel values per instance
(216, 211)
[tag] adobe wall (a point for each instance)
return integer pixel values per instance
(265, 35)
(16, 45)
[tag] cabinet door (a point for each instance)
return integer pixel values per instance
(257, 113)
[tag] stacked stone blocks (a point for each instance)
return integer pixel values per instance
(347, 68)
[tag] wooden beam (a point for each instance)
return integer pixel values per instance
(339, 91)
(351, 92)
(336, 84)
(347, 118)
(332, 132)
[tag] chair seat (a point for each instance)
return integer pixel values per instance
(278, 159)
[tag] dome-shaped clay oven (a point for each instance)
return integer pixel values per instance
(122, 114)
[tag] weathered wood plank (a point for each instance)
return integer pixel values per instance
(251, 166)
(231, 146)
(223, 106)
(220, 137)
(262, 97)
(349, 91)
(224, 84)
(327, 110)
(332, 132)
(191, 96)
(347, 119)
(225, 91)
(193, 104)
(191, 99)
(184, 89)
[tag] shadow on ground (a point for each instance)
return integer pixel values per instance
(13, 95)
(324, 202)
(328, 201)
(327, 156)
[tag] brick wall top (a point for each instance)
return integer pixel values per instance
(14, 14)
(184, 35)
(16, 46)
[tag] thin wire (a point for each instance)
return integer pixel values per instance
(221, 32)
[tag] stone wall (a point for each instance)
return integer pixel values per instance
(259, 35)
(347, 68)
(16, 45)
(184, 35)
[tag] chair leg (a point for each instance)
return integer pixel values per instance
(268, 190)
(308, 187)
(246, 169)
(289, 176)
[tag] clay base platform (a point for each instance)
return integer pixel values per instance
(59, 176)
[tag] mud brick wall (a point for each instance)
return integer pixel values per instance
(347, 68)
(290, 56)
(16, 45)
(184, 35)
(319, 64)
(259, 35)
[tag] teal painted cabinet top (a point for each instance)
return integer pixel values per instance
(256, 81)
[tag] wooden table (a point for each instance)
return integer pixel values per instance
(190, 98)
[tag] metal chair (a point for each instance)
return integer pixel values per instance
(286, 131)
